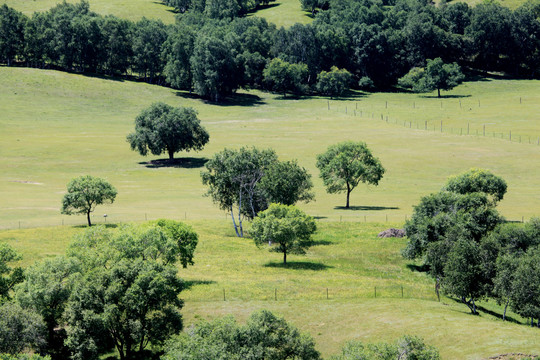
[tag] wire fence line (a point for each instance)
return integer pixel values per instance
(484, 130)
(314, 294)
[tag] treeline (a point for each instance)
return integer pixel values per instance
(358, 43)
(217, 9)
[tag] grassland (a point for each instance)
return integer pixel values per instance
(348, 260)
(285, 13)
(55, 126)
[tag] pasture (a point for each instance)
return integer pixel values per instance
(348, 260)
(55, 126)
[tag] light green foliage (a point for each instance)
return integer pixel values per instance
(163, 128)
(9, 276)
(85, 193)
(283, 77)
(46, 289)
(20, 329)
(23, 357)
(286, 182)
(525, 295)
(334, 82)
(407, 347)
(436, 76)
(265, 336)
(345, 165)
(285, 228)
(477, 180)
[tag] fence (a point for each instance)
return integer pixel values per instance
(484, 130)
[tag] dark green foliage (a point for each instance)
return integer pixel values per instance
(117, 50)
(9, 276)
(334, 82)
(525, 294)
(163, 128)
(214, 69)
(20, 329)
(84, 193)
(407, 347)
(283, 77)
(285, 228)
(148, 39)
(436, 76)
(312, 5)
(437, 214)
(177, 50)
(264, 336)
(477, 180)
(345, 165)
(11, 34)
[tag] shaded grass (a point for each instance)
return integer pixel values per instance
(350, 263)
(56, 126)
(285, 13)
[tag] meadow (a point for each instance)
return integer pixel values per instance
(55, 126)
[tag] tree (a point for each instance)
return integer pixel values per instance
(20, 329)
(215, 72)
(84, 193)
(504, 280)
(12, 25)
(311, 5)
(334, 82)
(9, 276)
(525, 295)
(407, 347)
(477, 180)
(283, 77)
(46, 289)
(126, 295)
(463, 275)
(233, 177)
(163, 128)
(343, 166)
(436, 76)
(148, 39)
(285, 182)
(265, 336)
(285, 228)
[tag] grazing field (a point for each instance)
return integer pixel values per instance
(285, 13)
(55, 126)
(127, 9)
(348, 260)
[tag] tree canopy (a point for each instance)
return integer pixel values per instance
(9, 276)
(477, 180)
(84, 193)
(285, 228)
(345, 165)
(436, 76)
(163, 128)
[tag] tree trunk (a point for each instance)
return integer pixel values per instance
(171, 154)
(285, 257)
(438, 93)
(234, 222)
(88, 218)
(348, 195)
(505, 307)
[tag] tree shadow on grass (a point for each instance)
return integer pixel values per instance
(480, 309)
(320, 217)
(445, 96)
(321, 242)
(188, 284)
(184, 163)
(107, 225)
(298, 265)
(424, 268)
(231, 100)
(263, 7)
(362, 207)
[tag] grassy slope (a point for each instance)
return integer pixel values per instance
(285, 13)
(349, 260)
(55, 126)
(512, 4)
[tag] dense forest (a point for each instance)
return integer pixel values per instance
(213, 42)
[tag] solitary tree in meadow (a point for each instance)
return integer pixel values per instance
(85, 193)
(163, 128)
(345, 165)
(286, 229)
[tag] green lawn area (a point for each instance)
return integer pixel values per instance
(512, 4)
(127, 9)
(56, 126)
(285, 13)
(348, 260)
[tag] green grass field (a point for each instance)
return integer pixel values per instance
(285, 13)
(348, 260)
(55, 126)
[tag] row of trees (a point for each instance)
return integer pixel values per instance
(471, 251)
(359, 43)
